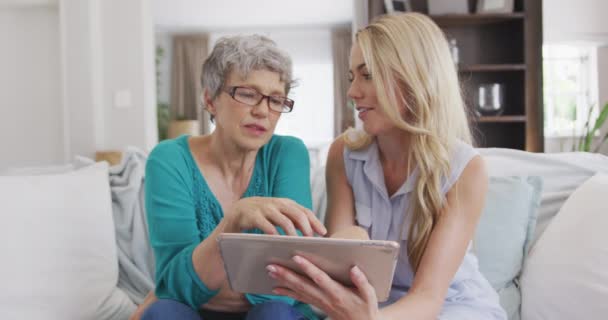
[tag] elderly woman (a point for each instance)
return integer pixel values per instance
(240, 178)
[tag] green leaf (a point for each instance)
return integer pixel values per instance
(602, 141)
(599, 122)
(584, 143)
(596, 126)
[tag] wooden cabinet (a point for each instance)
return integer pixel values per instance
(498, 48)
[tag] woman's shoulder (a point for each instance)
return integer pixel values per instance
(171, 151)
(337, 150)
(285, 146)
(461, 153)
(356, 146)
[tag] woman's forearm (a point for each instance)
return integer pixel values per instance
(351, 232)
(207, 260)
(413, 306)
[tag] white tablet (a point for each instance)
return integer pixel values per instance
(247, 255)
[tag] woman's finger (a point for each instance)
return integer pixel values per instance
(279, 219)
(303, 287)
(315, 224)
(366, 290)
(298, 216)
(263, 224)
(319, 277)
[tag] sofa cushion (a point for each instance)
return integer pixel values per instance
(561, 173)
(566, 274)
(504, 233)
(59, 251)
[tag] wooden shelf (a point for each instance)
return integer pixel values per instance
(492, 67)
(501, 48)
(451, 20)
(500, 119)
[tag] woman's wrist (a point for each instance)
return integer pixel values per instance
(225, 225)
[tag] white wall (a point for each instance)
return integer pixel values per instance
(582, 20)
(128, 67)
(81, 77)
(63, 63)
(192, 15)
(30, 86)
(107, 51)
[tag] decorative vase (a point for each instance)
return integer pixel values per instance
(490, 99)
(181, 127)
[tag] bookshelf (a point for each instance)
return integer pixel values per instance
(498, 48)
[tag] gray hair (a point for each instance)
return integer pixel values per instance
(244, 54)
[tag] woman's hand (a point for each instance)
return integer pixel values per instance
(150, 299)
(318, 289)
(265, 213)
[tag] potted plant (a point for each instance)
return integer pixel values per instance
(162, 108)
(585, 142)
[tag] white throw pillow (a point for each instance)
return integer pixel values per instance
(35, 171)
(561, 173)
(58, 247)
(566, 273)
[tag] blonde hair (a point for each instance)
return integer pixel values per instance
(409, 60)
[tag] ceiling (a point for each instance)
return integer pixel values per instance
(234, 14)
(12, 4)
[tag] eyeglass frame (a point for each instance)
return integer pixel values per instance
(231, 91)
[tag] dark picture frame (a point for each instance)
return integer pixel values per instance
(495, 6)
(393, 6)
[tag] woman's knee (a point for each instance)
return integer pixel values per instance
(274, 310)
(169, 309)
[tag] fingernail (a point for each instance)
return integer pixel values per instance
(271, 268)
(356, 270)
(272, 275)
(298, 259)
(275, 291)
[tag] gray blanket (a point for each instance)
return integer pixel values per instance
(135, 256)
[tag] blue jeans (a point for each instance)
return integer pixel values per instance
(170, 309)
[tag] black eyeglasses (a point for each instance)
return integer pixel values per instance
(252, 97)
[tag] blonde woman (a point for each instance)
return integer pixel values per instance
(410, 176)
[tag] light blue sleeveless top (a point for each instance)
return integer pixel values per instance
(382, 216)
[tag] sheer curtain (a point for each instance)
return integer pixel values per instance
(341, 39)
(189, 53)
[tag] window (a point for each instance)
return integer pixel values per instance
(312, 118)
(568, 89)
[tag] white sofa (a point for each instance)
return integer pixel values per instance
(60, 260)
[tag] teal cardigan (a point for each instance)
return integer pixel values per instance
(182, 211)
